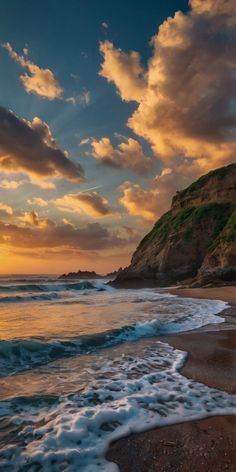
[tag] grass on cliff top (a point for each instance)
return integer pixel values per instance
(198, 184)
(218, 213)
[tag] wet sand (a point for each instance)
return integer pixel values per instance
(207, 445)
(199, 446)
(227, 294)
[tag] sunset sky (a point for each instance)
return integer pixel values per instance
(107, 109)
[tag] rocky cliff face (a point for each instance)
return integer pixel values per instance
(196, 239)
(220, 261)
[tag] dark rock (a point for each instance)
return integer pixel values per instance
(81, 274)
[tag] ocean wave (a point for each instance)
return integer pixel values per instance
(23, 354)
(45, 291)
(131, 394)
(46, 287)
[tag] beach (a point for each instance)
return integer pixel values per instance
(196, 446)
(76, 376)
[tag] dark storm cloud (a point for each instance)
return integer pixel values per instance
(30, 147)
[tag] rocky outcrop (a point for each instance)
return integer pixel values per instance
(81, 274)
(195, 240)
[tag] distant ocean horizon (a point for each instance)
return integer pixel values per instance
(83, 363)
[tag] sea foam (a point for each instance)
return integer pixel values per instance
(127, 394)
(18, 355)
(132, 387)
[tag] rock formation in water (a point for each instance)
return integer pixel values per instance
(196, 240)
(81, 274)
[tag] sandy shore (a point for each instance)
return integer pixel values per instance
(227, 294)
(201, 446)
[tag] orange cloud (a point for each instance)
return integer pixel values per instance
(128, 155)
(185, 98)
(139, 202)
(88, 203)
(124, 70)
(38, 201)
(11, 184)
(41, 82)
(151, 202)
(30, 147)
(213, 7)
(32, 219)
(41, 183)
(5, 209)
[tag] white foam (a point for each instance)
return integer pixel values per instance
(124, 394)
(128, 394)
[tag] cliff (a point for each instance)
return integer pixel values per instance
(195, 240)
(220, 261)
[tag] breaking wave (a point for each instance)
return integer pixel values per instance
(18, 355)
(35, 292)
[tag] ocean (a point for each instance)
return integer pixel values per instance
(83, 364)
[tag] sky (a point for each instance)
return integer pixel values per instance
(107, 109)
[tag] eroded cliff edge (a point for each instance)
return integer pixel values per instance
(196, 240)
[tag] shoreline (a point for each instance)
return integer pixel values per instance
(225, 293)
(202, 445)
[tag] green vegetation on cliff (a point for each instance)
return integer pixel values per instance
(190, 218)
(198, 184)
(229, 231)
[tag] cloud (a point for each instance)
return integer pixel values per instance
(65, 221)
(139, 202)
(186, 98)
(39, 81)
(124, 70)
(31, 235)
(11, 184)
(43, 184)
(84, 141)
(30, 147)
(5, 209)
(73, 100)
(37, 201)
(150, 203)
(32, 219)
(83, 99)
(43, 82)
(214, 7)
(88, 203)
(128, 155)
